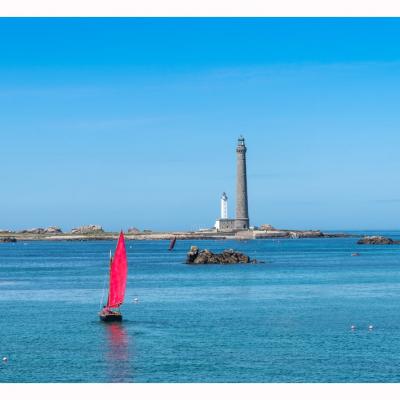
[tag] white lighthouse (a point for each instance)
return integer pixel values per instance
(224, 206)
(224, 223)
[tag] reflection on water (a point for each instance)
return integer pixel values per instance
(117, 354)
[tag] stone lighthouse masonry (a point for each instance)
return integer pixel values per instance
(242, 211)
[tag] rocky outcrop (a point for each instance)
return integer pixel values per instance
(40, 231)
(53, 229)
(36, 231)
(306, 234)
(197, 256)
(87, 229)
(133, 231)
(8, 239)
(377, 240)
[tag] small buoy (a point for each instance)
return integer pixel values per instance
(370, 327)
(136, 300)
(5, 359)
(353, 327)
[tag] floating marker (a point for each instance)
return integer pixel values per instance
(370, 327)
(353, 327)
(5, 359)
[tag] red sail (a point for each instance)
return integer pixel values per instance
(118, 273)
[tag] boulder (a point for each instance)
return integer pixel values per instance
(87, 229)
(192, 254)
(377, 240)
(197, 256)
(133, 231)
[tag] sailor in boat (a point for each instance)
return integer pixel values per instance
(117, 283)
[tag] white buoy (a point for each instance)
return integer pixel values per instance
(353, 327)
(136, 300)
(370, 327)
(5, 359)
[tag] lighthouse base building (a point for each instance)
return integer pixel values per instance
(225, 224)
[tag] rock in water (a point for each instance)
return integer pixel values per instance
(377, 240)
(8, 239)
(196, 256)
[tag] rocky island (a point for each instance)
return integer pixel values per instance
(377, 240)
(197, 256)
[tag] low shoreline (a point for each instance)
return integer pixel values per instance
(210, 235)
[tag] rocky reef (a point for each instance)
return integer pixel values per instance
(377, 240)
(197, 256)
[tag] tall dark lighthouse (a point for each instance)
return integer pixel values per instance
(242, 211)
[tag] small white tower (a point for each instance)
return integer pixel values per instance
(224, 206)
(224, 223)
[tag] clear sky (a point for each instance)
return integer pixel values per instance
(134, 122)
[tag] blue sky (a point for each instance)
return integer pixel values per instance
(133, 122)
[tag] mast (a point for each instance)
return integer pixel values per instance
(104, 284)
(109, 276)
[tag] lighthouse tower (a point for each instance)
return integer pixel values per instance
(241, 222)
(224, 206)
(242, 213)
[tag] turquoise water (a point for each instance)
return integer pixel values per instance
(287, 320)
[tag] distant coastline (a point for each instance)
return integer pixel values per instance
(96, 232)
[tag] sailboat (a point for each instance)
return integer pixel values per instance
(172, 243)
(117, 286)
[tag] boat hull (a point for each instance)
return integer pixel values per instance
(110, 317)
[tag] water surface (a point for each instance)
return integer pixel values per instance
(287, 320)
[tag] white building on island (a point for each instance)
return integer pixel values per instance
(224, 223)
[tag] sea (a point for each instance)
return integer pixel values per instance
(288, 319)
